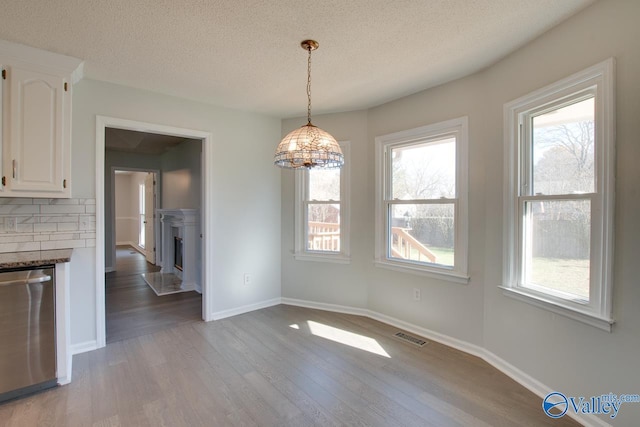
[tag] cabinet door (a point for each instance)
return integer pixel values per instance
(37, 133)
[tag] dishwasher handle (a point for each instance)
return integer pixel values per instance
(29, 281)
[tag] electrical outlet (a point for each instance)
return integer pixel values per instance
(11, 223)
(416, 294)
(247, 279)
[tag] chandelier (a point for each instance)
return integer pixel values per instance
(309, 146)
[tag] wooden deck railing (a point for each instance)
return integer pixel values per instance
(324, 236)
(404, 244)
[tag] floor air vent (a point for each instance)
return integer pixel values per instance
(410, 338)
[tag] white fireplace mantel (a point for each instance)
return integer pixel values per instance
(183, 223)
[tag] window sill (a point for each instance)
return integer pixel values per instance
(549, 304)
(323, 257)
(447, 275)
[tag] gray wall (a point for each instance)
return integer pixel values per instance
(181, 176)
(344, 284)
(246, 196)
(563, 354)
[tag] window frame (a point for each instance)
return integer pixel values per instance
(301, 252)
(457, 127)
(599, 81)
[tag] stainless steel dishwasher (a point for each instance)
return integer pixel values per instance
(27, 331)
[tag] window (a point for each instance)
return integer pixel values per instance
(322, 212)
(559, 145)
(422, 200)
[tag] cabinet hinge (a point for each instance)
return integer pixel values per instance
(64, 183)
(4, 74)
(66, 87)
(4, 181)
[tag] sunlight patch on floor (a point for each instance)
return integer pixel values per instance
(347, 338)
(294, 326)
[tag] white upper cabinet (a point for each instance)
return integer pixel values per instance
(38, 149)
(36, 128)
(3, 119)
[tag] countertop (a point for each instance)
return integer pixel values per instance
(34, 258)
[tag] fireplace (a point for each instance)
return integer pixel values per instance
(177, 252)
(180, 248)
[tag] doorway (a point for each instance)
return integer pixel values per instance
(132, 308)
(104, 123)
(135, 196)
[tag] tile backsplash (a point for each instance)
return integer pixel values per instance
(42, 224)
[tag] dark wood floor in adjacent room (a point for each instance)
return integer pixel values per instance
(281, 366)
(133, 309)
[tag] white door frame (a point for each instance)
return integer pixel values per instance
(156, 206)
(149, 222)
(206, 220)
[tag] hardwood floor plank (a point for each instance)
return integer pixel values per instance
(109, 422)
(133, 309)
(232, 367)
(277, 371)
(433, 372)
(466, 381)
(272, 396)
(256, 369)
(480, 386)
(350, 389)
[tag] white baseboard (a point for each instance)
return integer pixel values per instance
(83, 347)
(245, 309)
(325, 306)
(64, 380)
(503, 366)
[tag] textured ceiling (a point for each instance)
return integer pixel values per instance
(245, 54)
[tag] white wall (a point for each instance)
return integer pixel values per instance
(246, 195)
(564, 354)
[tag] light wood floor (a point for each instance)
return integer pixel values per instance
(133, 309)
(257, 370)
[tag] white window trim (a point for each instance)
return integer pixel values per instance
(598, 312)
(458, 273)
(301, 253)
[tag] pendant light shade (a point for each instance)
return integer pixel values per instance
(309, 146)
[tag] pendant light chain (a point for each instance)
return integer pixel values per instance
(309, 86)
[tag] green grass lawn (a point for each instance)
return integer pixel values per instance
(566, 275)
(444, 256)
